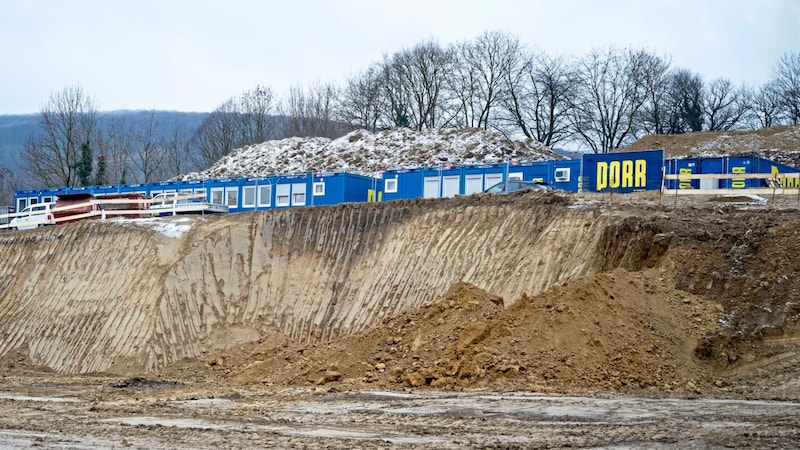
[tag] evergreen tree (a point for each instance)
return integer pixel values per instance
(83, 168)
(100, 172)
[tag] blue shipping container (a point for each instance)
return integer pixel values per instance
(622, 171)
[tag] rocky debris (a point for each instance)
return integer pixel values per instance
(368, 153)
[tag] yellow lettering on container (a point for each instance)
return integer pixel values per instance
(627, 173)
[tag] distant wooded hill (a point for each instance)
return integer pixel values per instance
(15, 129)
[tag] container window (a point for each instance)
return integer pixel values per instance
(249, 197)
(282, 194)
(298, 194)
(232, 195)
(217, 196)
(265, 195)
(319, 188)
(390, 185)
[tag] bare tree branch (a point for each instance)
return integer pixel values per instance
(66, 122)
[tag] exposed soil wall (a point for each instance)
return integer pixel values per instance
(107, 296)
(534, 290)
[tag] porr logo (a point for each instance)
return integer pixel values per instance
(627, 173)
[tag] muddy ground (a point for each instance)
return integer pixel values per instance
(684, 334)
(146, 414)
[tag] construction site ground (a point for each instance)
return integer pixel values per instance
(536, 319)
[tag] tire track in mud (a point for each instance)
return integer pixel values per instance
(99, 296)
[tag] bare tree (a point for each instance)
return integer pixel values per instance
(610, 98)
(361, 104)
(217, 135)
(116, 145)
(413, 82)
(463, 82)
(324, 100)
(312, 112)
(489, 62)
(655, 79)
(177, 152)
(147, 154)
(9, 183)
(539, 98)
(725, 106)
(766, 106)
(787, 85)
(239, 121)
(395, 93)
(256, 110)
(6, 188)
(66, 122)
(684, 102)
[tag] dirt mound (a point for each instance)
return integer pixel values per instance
(17, 361)
(780, 144)
(613, 331)
(364, 152)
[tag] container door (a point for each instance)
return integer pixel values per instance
(431, 189)
(473, 183)
(492, 179)
(450, 186)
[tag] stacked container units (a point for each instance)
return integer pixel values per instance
(725, 165)
(402, 184)
(478, 178)
(238, 194)
(615, 172)
(748, 164)
(292, 191)
(448, 181)
(25, 198)
(342, 187)
(564, 175)
(439, 182)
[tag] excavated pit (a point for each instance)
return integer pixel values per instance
(594, 294)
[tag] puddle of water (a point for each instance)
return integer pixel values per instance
(596, 413)
(391, 394)
(331, 433)
(203, 401)
(26, 398)
(27, 439)
(527, 405)
(320, 432)
(168, 422)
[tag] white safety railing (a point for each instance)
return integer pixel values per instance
(98, 208)
(776, 184)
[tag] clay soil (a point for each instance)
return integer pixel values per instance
(689, 339)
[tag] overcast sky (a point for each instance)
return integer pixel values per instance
(193, 55)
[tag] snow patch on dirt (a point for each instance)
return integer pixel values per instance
(168, 226)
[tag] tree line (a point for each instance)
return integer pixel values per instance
(600, 101)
